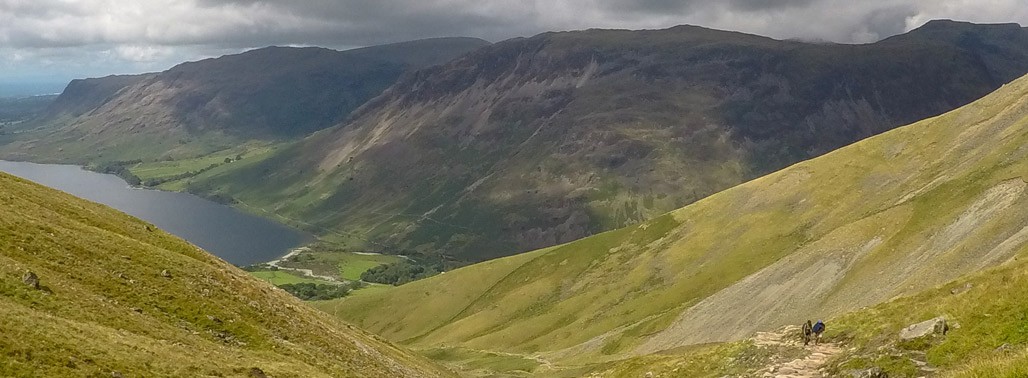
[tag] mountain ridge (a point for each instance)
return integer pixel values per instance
(537, 141)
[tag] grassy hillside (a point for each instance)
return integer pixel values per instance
(986, 338)
(196, 108)
(534, 142)
(889, 216)
(117, 296)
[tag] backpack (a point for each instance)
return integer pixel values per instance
(819, 327)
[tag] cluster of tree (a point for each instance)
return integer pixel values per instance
(258, 267)
(319, 292)
(399, 273)
(118, 168)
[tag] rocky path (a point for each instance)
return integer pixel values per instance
(806, 367)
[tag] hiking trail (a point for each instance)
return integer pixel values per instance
(806, 367)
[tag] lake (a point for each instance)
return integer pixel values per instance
(233, 235)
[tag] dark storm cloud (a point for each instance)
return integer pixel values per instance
(145, 35)
(361, 22)
(760, 5)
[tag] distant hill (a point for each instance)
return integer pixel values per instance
(115, 296)
(273, 93)
(890, 216)
(538, 141)
(15, 110)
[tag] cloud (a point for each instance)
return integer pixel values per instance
(138, 35)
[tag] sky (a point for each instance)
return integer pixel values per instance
(53, 41)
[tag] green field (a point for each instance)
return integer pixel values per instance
(344, 265)
(173, 173)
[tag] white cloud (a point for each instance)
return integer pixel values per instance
(138, 53)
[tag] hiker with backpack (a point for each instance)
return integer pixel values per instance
(818, 329)
(808, 331)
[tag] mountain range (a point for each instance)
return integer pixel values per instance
(538, 141)
(651, 203)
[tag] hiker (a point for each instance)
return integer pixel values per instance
(818, 329)
(808, 330)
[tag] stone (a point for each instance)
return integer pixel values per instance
(935, 326)
(961, 289)
(115, 374)
(165, 273)
(31, 279)
(257, 373)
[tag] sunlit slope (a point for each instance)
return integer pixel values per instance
(117, 295)
(910, 209)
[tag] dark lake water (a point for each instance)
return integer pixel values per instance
(235, 236)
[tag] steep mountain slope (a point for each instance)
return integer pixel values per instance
(892, 215)
(84, 95)
(117, 297)
(196, 107)
(533, 142)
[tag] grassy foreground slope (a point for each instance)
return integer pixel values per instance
(106, 305)
(892, 215)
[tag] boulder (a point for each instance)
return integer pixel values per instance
(257, 373)
(31, 279)
(935, 326)
(875, 372)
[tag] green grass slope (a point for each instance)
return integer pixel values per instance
(892, 215)
(533, 142)
(986, 338)
(105, 305)
(986, 314)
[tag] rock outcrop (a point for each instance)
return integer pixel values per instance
(935, 326)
